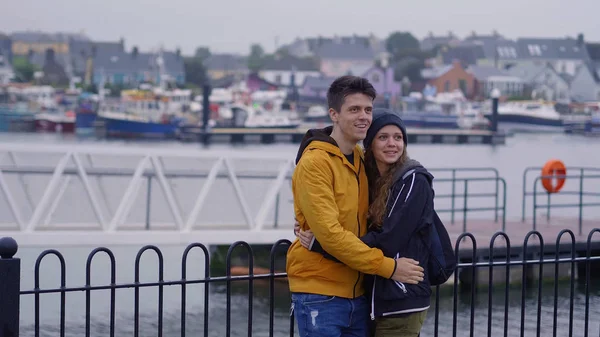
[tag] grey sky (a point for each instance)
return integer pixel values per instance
(232, 25)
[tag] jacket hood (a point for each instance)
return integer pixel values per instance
(408, 167)
(315, 135)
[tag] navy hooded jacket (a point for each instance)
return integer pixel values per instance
(410, 213)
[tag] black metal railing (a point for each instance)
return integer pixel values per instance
(459, 189)
(582, 175)
(466, 312)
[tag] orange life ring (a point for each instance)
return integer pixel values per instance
(552, 171)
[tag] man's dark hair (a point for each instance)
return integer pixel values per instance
(348, 85)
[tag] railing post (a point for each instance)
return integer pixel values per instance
(148, 202)
(465, 207)
(524, 202)
(497, 187)
(548, 207)
(581, 202)
(503, 205)
(453, 194)
(276, 210)
(535, 205)
(10, 288)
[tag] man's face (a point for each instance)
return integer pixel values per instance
(354, 117)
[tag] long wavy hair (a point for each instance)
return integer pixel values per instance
(379, 187)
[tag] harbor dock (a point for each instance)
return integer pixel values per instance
(285, 135)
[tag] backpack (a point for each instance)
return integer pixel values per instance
(442, 260)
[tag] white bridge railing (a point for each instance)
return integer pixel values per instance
(91, 188)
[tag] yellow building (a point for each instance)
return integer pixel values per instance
(39, 42)
(23, 48)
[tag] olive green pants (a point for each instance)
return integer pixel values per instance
(405, 326)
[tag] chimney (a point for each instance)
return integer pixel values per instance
(49, 55)
(580, 40)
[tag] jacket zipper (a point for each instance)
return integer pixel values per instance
(358, 222)
(373, 299)
(399, 284)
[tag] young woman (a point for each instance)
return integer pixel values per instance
(400, 213)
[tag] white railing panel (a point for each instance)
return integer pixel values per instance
(189, 190)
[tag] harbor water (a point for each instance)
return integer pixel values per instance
(519, 152)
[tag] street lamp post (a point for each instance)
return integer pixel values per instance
(206, 91)
(495, 94)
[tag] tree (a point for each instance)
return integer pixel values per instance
(256, 58)
(24, 69)
(409, 67)
(195, 73)
(399, 41)
(202, 53)
(282, 52)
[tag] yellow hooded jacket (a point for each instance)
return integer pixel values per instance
(331, 198)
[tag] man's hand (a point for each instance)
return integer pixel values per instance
(408, 271)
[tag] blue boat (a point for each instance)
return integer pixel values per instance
(122, 125)
(86, 113)
(590, 127)
(17, 118)
(432, 120)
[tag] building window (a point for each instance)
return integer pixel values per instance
(278, 79)
(446, 86)
(534, 50)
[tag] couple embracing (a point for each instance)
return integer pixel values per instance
(364, 221)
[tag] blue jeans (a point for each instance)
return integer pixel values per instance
(330, 316)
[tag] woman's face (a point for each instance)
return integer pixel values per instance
(388, 145)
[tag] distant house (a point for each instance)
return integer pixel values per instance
(255, 82)
(38, 42)
(80, 60)
(315, 87)
(448, 78)
(338, 58)
(585, 86)
(488, 78)
(384, 83)
(382, 80)
(430, 42)
(466, 54)
(497, 51)
(565, 55)
(221, 65)
(280, 70)
(130, 69)
(542, 81)
(308, 47)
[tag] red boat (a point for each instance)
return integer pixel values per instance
(55, 122)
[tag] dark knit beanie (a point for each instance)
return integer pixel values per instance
(381, 118)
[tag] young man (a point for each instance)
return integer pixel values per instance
(331, 198)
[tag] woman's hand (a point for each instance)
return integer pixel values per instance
(305, 237)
